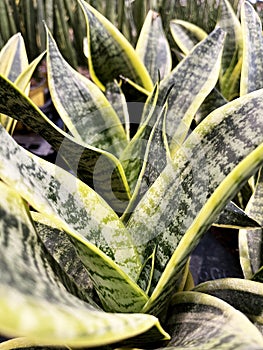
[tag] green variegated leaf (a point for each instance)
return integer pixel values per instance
(153, 47)
(231, 64)
(59, 245)
(250, 241)
(186, 35)
(252, 67)
(192, 79)
(103, 243)
(234, 217)
(109, 53)
(98, 168)
(81, 105)
(117, 100)
(33, 301)
(199, 321)
(184, 201)
(244, 295)
(13, 57)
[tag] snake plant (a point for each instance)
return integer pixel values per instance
(95, 252)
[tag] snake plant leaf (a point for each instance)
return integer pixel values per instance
(102, 241)
(234, 217)
(117, 100)
(186, 35)
(153, 48)
(250, 241)
(231, 58)
(244, 295)
(200, 321)
(58, 244)
(184, 201)
(252, 70)
(13, 57)
(192, 79)
(98, 168)
(109, 53)
(36, 305)
(82, 106)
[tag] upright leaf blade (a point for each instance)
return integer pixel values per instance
(81, 105)
(153, 47)
(109, 53)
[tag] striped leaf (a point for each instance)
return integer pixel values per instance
(81, 105)
(192, 80)
(234, 217)
(186, 35)
(200, 321)
(231, 63)
(99, 169)
(109, 53)
(252, 67)
(244, 295)
(153, 48)
(250, 241)
(184, 201)
(36, 305)
(103, 243)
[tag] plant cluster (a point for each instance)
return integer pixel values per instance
(95, 254)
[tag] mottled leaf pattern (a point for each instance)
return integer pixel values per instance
(250, 241)
(103, 242)
(244, 295)
(252, 67)
(192, 80)
(174, 204)
(81, 105)
(198, 321)
(110, 54)
(97, 168)
(153, 47)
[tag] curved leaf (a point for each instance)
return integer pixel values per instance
(250, 241)
(244, 295)
(97, 168)
(153, 48)
(109, 53)
(103, 243)
(81, 105)
(200, 321)
(184, 201)
(252, 67)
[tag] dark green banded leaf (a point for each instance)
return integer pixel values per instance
(153, 48)
(200, 321)
(252, 67)
(95, 167)
(234, 217)
(244, 295)
(184, 201)
(250, 241)
(105, 244)
(81, 105)
(228, 21)
(13, 57)
(117, 100)
(186, 35)
(59, 245)
(192, 79)
(109, 53)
